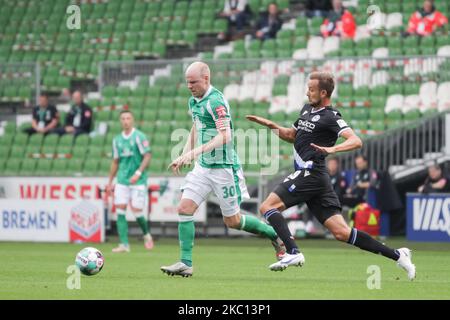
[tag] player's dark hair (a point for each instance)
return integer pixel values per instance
(43, 94)
(326, 81)
(333, 158)
(125, 111)
(362, 157)
(435, 166)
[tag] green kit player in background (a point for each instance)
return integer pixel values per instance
(217, 169)
(131, 156)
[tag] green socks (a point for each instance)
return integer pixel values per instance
(186, 234)
(143, 224)
(122, 226)
(254, 225)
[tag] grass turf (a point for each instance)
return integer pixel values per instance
(223, 269)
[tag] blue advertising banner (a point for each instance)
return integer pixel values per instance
(428, 217)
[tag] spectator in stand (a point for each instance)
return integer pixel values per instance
(426, 20)
(237, 13)
(336, 176)
(45, 117)
(318, 8)
(65, 95)
(436, 182)
(79, 118)
(269, 23)
(364, 179)
(339, 22)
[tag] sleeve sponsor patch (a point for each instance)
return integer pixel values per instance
(221, 111)
(145, 143)
(342, 123)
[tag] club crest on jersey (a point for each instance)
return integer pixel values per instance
(315, 118)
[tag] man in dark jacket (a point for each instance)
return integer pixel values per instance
(79, 118)
(269, 23)
(45, 117)
(364, 179)
(336, 176)
(318, 8)
(436, 182)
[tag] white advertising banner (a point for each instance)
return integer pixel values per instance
(52, 220)
(163, 199)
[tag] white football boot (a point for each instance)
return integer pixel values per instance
(121, 248)
(297, 260)
(178, 269)
(405, 262)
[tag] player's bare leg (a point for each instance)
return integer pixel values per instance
(342, 232)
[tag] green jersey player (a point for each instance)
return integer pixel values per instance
(131, 156)
(217, 169)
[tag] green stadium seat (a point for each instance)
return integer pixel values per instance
(376, 114)
(43, 167)
(360, 113)
(12, 167)
(7, 139)
(82, 140)
(79, 152)
(394, 88)
(91, 167)
(4, 150)
(377, 125)
(115, 128)
(28, 167)
(394, 116)
(74, 167)
(412, 116)
(394, 124)
(378, 91)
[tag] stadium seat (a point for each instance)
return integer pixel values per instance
(12, 167)
(411, 103)
(394, 102)
(28, 167)
(90, 167)
(428, 95)
(43, 167)
(443, 96)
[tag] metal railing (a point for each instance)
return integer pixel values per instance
(359, 71)
(409, 145)
(20, 82)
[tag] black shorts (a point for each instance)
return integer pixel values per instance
(312, 187)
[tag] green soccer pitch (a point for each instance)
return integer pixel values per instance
(234, 268)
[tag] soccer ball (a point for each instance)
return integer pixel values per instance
(90, 261)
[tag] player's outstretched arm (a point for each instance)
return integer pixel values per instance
(286, 134)
(352, 142)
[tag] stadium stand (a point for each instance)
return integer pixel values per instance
(384, 80)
